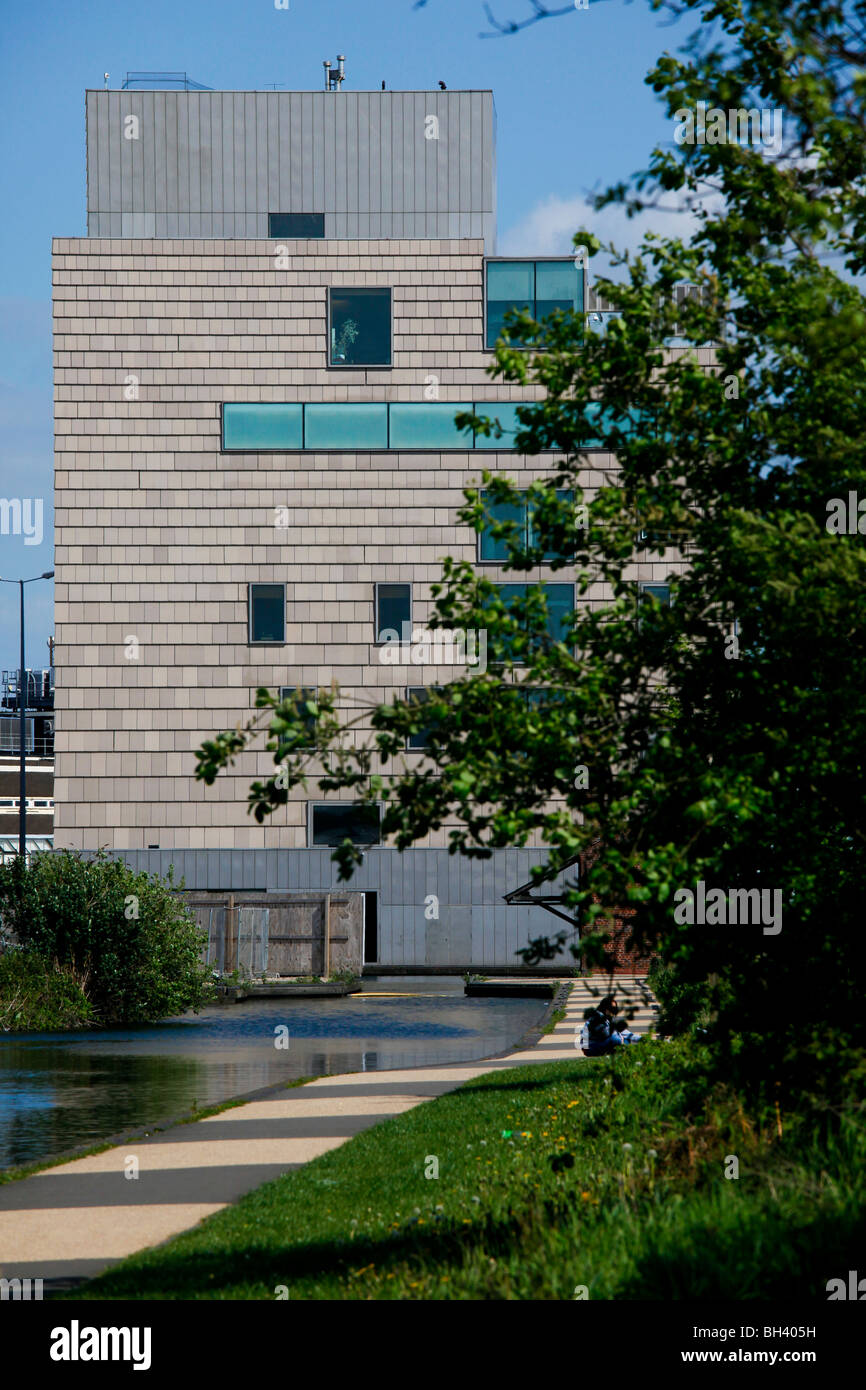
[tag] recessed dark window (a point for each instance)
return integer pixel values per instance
(360, 328)
(420, 694)
(332, 823)
(301, 698)
(661, 593)
(267, 613)
(309, 225)
(393, 612)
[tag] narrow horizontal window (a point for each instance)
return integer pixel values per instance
(429, 426)
(309, 225)
(346, 426)
(505, 413)
(371, 426)
(256, 427)
(267, 613)
(332, 823)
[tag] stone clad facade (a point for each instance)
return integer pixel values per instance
(159, 533)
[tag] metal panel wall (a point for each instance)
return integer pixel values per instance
(474, 929)
(214, 164)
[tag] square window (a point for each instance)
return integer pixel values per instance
(267, 613)
(359, 328)
(560, 607)
(393, 619)
(309, 225)
(333, 822)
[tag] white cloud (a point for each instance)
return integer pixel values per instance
(548, 228)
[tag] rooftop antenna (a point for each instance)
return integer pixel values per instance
(105, 75)
(333, 80)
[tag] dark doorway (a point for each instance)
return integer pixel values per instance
(371, 928)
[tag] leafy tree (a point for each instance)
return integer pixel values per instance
(130, 943)
(724, 735)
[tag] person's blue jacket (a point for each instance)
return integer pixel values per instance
(600, 1032)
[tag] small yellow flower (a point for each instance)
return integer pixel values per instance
(585, 1196)
(571, 1103)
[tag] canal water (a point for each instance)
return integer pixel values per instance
(60, 1090)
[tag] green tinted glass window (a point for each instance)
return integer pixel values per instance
(558, 285)
(491, 550)
(263, 426)
(565, 495)
(346, 427)
(506, 413)
(510, 285)
(429, 426)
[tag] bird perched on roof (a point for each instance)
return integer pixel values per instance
(442, 85)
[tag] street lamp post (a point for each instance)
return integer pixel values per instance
(22, 726)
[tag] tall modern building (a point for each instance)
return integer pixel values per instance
(260, 346)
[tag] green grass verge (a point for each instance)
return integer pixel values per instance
(607, 1174)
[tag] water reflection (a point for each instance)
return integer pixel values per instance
(59, 1090)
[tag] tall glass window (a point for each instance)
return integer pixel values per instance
(393, 612)
(359, 331)
(267, 613)
(300, 699)
(491, 550)
(510, 285)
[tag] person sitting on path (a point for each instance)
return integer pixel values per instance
(600, 1036)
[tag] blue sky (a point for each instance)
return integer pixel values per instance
(573, 115)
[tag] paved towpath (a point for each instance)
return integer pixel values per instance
(75, 1220)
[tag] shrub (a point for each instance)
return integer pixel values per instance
(37, 995)
(125, 933)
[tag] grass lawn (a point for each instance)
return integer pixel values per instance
(608, 1174)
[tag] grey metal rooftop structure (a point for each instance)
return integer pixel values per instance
(188, 163)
